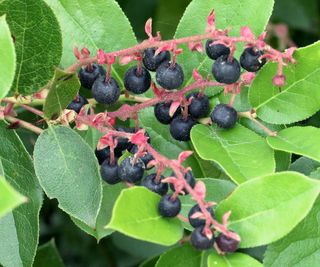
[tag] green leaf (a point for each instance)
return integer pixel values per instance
(8, 58)
(48, 256)
(229, 13)
(283, 160)
(240, 152)
(299, 98)
(299, 140)
(300, 247)
(91, 136)
(260, 206)
(38, 43)
(68, 171)
(232, 260)
(63, 90)
(180, 257)
(304, 165)
(19, 228)
(9, 198)
(135, 214)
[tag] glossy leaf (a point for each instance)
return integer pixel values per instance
(232, 260)
(48, 256)
(264, 202)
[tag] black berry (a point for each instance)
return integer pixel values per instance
(136, 82)
(180, 128)
(161, 112)
(199, 240)
(169, 207)
(189, 178)
(216, 50)
(123, 143)
(146, 158)
(225, 70)
(130, 172)
(156, 186)
(169, 76)
(196, 222)
(249, 59)
(224, 116)
(77, 103)
(227, 244)
(199, 106)
(104, 154)
(88, 76)
(152, 62)
(106, 92)
(109, 172)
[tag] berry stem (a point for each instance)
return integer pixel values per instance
(26, 107)
(24, 124)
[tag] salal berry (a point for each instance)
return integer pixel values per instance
(216, 50)
(146, 158)
(196, 222)
(180, 128)
(123, 143)
(199, 106)
(199, 240)
(104, 154)
(152, 184)
(87, 76)
(77, 103)
(226, 70)
(161, 112)
(131, 172)
(169, 76)
(224, 116)
(106, 91)
(169, 207)
(109, 171)
(152, 62)
(137, 82)
(250, 59)
(226, 244)
(189, 179)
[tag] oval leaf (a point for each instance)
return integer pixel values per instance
(48, 255)
(232, 260)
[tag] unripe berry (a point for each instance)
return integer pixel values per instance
(152, 62)
(216, 50)
(169, 76)
(225, 70)
(137, 82)
(224, 116)
(106, 92)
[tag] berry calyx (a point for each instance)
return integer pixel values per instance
(88, 75)
(136, 81)
(106, 92)
(196, 222)
(226, 70)
(152, 62)
(250, 59)
(131, 172)
(227, 244)
(153, 185)
(224, 116)
(77, 103)
(146, 158)
(199, 240)
(189, 179)
(109, 172)
(161, 112)
(199, 106)
(123, 143)
(169, 76)
(180, 128)
(216, 50)
(169, 207)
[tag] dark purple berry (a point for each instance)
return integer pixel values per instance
(199, 240)
(190, 180)
(104, 154)
(136, 82)
(130, 172)
(225, 70)
(106, 92)
(146, 158)
(123, 143)
(77, 103)
(152, 184)
(161, 112)
(199, 106)
(250, 59)
(180, 128)
(216, 50)
(88, 76)
(196, 222)
(152, 62)
(227, 244)
(224, 116)
(169, 76)
(168, 207)
(109, 172)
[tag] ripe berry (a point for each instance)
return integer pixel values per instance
(156, 186)
(161, 112)
(136, 82)
(146, 158)
(106, 92)
(123, 143)
(152, 62)
(88, 76)
(190, 180)
(169, 76)
(77, 103)
(216, 50)
(224, 116)
(199, 106)
(109, 172)
(180, 128)
(227, 244)
(199, 240)
(104, 154)
(130, 172)
(169, 207)
(250, 61)
(225, 70)
(196, 222)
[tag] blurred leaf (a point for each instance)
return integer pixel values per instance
(232, 260)
(48, 256)
(304, 165)
(283, 160)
